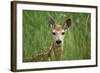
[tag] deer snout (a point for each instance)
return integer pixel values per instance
(58, 42)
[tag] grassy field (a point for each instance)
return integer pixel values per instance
(37, 34)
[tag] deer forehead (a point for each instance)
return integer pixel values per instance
(58, 28)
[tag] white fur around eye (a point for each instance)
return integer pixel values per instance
(58, 35)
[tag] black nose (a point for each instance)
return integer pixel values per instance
(58, 41)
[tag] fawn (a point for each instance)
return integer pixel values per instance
(55, 51)
(58, 31)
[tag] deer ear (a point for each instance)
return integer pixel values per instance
(51, 22)
(67, 24)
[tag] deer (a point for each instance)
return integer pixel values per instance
(58, 31)
(55, 51)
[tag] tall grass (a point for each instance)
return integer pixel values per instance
(37, 34)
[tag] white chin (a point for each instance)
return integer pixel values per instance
(58, 46)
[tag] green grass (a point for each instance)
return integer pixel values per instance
(37, 34)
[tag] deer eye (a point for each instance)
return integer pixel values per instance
(63, 33)
(53, 33)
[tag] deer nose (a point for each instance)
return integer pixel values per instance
(58, 41)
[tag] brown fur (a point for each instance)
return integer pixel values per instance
(58, 27)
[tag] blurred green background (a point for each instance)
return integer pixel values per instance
(37, 34)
